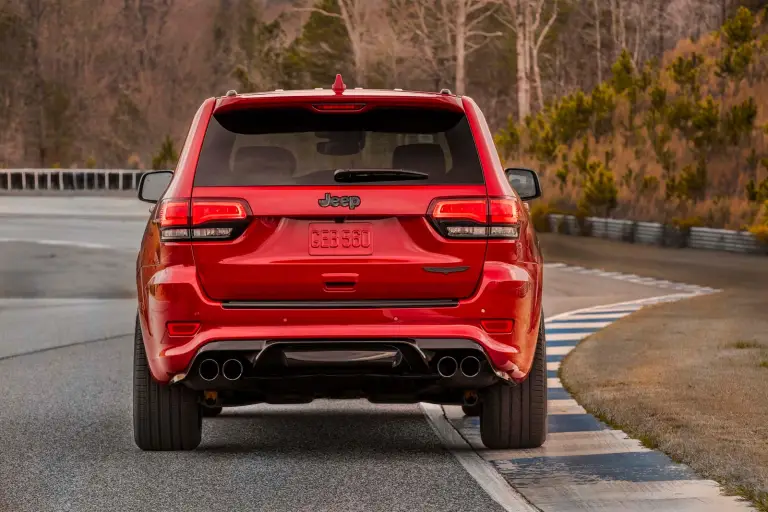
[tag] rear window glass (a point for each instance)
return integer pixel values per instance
(300, 147)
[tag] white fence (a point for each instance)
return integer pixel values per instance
(653, 233)
(27, 180)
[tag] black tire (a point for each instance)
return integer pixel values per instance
(516, 416)
(165, 418)
(211, 412)
(472, 410)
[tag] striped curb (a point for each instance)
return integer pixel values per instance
(586, 465)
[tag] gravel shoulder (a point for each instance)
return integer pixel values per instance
(689, 378)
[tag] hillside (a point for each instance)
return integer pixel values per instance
(95, 83)
(683, 141)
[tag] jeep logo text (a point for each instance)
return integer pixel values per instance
(350, 202)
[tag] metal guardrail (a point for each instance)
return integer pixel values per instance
(654, 233)
(22, 180)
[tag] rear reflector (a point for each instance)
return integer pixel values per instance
(477, 218)
(498, 326)
(183, 328)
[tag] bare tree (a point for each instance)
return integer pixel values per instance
(598, 42)
(358, 17)
(526, 21)
(469, 16)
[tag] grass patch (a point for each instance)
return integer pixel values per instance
(692, 373)
(758, 499)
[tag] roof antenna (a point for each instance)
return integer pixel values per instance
(338, 85)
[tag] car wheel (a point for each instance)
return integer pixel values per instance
(165, 418)
(211, 412)
(472, 410)
(516, 416)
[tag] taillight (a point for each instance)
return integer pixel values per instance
(201, 219)
(338, 107)
(477, 218)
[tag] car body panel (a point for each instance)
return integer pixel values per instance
(191, 281)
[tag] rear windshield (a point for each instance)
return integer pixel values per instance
(300, 147)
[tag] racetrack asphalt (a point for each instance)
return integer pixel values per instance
(65, 426)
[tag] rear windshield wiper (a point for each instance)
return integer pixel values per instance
(369, 175)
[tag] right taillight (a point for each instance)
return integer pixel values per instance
(477, 218)
(201, 219)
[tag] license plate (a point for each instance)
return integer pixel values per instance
(330, 239)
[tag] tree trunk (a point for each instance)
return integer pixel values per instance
(523, 81)
(598, 43)
(461, 40)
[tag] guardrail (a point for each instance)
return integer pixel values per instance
(654, 233)
(22, 180)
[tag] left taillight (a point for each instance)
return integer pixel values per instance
(201, 219)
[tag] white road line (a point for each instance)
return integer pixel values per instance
(559, 351)
(567, 336)
(676, 495)
(553, 366)
(594, 316)
(569, 444)
(571, 324)
(568, 406)
(554, 382)
(482, 471)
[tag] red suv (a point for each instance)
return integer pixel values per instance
(339, 243)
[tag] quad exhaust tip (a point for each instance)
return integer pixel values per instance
(470, 366)
(447, 366)
(208, 370)
(232, 369)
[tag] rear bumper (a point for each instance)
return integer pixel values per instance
(506, 292)
(290, 371)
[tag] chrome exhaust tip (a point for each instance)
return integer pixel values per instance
(208, 370)
(447, 366)
(470, 366)
(232, 369)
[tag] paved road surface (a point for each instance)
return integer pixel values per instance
(65, 425)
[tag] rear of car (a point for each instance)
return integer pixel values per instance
(358, 244)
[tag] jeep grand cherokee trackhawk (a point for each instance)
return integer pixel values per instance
(339, 243)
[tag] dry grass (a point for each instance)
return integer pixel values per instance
(688, 378)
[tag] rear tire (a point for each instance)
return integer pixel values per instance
(165, 418)
(211, 412)
(472, 410)
(516, 416)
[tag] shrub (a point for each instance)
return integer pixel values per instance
(685, 224)
(739, 121)
(599, 193)
(705, 124)
(685, 72)
(623, 73)
(508, 139)
(757, 193)
(540, 217)
(167, 156)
